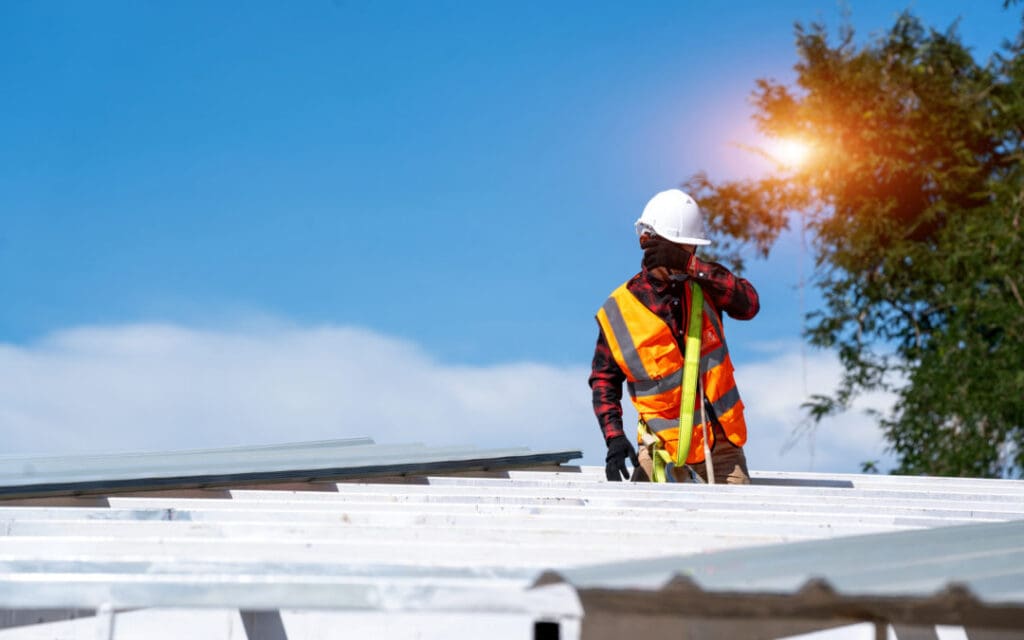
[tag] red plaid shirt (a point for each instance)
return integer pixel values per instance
(736, 296)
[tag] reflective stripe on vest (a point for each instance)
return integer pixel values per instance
(645, 349)
(630, 361)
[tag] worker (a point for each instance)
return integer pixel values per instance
(643, 329)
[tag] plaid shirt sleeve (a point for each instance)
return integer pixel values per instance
(736, 296)
(606, 380)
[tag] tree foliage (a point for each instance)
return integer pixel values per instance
(913, 196)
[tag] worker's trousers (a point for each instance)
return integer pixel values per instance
(729, 461)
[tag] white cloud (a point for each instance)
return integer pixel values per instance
(773, 390)
(160, 386)
(154, 387)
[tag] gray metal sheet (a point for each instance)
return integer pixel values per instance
(918, 562)
(22, 477)
(964, 575)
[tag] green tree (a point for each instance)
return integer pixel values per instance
(913, 197)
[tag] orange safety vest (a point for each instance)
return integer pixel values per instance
(645, 349)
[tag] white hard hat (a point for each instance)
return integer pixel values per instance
(675, 216)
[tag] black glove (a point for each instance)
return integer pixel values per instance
(619, 448)
(659, 252)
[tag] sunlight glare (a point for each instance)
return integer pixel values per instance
(790, 152)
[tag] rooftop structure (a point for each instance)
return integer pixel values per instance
(322, 540)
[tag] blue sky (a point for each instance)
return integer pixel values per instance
(455, 179)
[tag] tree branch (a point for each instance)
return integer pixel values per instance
(1013, 288)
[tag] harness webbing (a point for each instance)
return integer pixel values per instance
(691, 368)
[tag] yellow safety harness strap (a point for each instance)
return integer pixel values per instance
(660, 459)
(691, 367)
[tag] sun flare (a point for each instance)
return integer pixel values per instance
(790, 152)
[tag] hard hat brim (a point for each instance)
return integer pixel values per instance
(642, 227)
(695, 241)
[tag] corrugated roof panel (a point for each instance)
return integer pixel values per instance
(462, 522)
(919, 562)
(453, 543)
(325, 460)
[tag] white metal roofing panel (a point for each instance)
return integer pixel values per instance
(525, 522)
(519, 525)
(231, 624)
(447, 543)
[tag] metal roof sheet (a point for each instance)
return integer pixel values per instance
(970, 575)
(478, 543)
(987, 559)
(22, 476)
